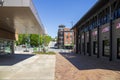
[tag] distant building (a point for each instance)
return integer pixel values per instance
(65, 37)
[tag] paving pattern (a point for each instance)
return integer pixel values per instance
(77, 67)
(27, 67)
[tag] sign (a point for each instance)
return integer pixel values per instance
(118, 26)
(94, 33)
(106, 29)
(87, 34)
(83, 36)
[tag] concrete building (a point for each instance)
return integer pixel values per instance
(65, 37)
(17, 17)
(97, 33)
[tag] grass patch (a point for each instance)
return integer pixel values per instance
(49, 53)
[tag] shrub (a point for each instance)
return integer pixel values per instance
(49, 53)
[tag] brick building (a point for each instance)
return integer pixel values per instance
(97, 33)
(65, 37)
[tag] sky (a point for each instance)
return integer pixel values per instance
(56, 12)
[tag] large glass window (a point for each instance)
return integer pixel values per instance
(88, 45)
(83, 48)
(115, 16)
(95, 51)
(1, 47)
(119, 12)
(106, 48)
(118, 48)
(5, 46)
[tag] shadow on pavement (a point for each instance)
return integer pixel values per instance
(8, 60)
(82, 62)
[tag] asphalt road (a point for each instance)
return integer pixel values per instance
(52, 48)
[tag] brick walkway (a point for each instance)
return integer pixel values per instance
(76, 67)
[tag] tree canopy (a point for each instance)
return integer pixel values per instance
(33, 39)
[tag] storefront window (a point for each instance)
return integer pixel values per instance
(5, 46)
(118, 48)
(88, 45)
(95, 51)
(83, 48)
(94, 33)
(119, 12)
(107, 18)
(83, 36)
(1, 46)
(98, 23)
(118, 26)
(106, 29)
(115, 15)
(106, 48)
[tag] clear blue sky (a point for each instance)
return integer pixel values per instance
(56, 12)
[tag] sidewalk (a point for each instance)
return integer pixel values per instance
(27, 67)
(76, 67)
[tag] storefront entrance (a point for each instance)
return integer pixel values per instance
(88, 47)
(118, 48)
(106, 48)
(95, 51)
(83, 47)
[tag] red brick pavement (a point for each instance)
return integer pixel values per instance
(65, 70)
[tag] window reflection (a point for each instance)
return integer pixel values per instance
(95, 51)
(5, 46)
(118, 48)
(106, 48)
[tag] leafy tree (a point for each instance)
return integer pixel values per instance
(22, 39)
(40, 39)
(34, 39)
(47, 39)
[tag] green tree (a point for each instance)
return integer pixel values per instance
(40, 39)
(47, 39)
(22, 39)
(34, 40)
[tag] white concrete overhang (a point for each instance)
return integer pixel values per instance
(20, 16)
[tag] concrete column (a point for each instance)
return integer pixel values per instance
(84, 44)
(110, 33)
(90, 43)
(98, 41)
(12, 47)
